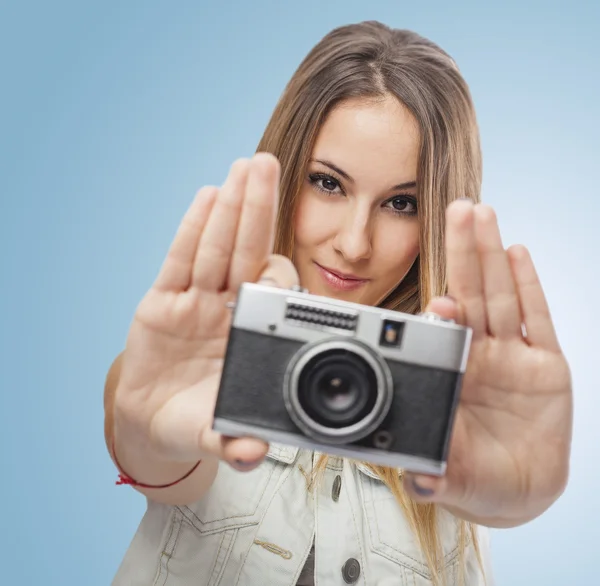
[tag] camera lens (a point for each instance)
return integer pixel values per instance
(337, 388)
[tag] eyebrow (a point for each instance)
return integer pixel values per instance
(341, 172)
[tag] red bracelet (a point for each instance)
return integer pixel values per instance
(124, 478)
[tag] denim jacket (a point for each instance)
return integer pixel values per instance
(257, 529)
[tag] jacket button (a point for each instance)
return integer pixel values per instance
(335, 491)
(351, 571)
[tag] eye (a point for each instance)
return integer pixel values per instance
(403, 205)
(325, 183)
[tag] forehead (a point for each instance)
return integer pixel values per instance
(371, 137)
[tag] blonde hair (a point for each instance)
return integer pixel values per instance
(371, 61)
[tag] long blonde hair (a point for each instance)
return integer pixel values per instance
(370, 60)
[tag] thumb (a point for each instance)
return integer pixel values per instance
(426, 489)
(446, 308)
(245, 453)
(279, 272)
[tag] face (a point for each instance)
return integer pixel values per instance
(356, 228)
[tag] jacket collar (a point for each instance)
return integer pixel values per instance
(282, 453)
(287, 455)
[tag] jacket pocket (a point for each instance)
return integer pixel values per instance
(391, 537)
(206, 540)
(235, 499)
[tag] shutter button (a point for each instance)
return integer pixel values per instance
(335, 491)
(351, 571)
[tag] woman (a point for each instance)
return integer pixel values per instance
(359, 187)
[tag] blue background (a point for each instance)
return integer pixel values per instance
(112, 115)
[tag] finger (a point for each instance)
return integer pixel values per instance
(213, 256)
(280, 272)
(423, 488)
(503, 312)
(176, 271)
(465, 282)
(445, 307)
(254, 238)
(243, 453)
(534, 306)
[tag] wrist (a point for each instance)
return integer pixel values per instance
(140, 464)
(125, 478)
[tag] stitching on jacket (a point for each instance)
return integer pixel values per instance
(286, 474)
(420, 568)
(282, 454)
(273, 548)
(175, 544)
(193, 514)
(334, 463)
(212, 570)
(230, 536)
(372, 520)
(165, 554)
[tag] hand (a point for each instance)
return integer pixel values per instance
(509, 454)
(175, 349)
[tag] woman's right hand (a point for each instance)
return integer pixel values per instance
(175, 349)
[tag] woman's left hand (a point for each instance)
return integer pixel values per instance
(509, 454)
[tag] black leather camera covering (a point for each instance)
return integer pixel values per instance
(419, 420)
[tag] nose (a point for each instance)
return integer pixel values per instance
(353, 238)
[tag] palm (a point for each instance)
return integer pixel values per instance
(511, 422)
(511, 440)
(187, 326)
(177, 342)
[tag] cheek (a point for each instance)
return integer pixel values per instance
(399, 246)
(310, 221)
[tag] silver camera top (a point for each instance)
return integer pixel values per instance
(299, 315)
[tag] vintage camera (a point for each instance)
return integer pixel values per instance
(342, 378)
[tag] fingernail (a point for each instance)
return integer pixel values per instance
(450, 298)
(421, 490)
(268, 281)
(244, 465)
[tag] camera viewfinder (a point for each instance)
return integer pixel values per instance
(391, 333)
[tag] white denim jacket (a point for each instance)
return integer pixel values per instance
(257, 528)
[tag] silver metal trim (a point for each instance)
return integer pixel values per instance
(320, 327)
(407, 462)
(309, 304)
(353, 432)
(433, 344)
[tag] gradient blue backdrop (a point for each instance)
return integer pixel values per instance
(113, 114)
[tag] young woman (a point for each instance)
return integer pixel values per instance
(366, 186)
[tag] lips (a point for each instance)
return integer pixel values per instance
(345, 276)
(339, 280)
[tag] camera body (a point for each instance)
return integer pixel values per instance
(342, 378)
